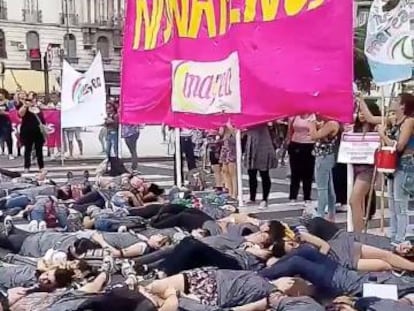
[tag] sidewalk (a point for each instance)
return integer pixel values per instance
(150, 149)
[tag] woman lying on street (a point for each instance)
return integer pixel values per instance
(347, 252)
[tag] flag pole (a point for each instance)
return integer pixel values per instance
(239, 168)
(178, 163)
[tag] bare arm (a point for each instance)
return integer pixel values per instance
(406, 133)
(322, 245)
(367, 114)
(96, 285)
(22, 111)
(329, 128)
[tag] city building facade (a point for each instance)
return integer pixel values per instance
(36, 35)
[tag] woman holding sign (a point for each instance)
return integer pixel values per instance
(401, 183)
(32, 131)
(363, 173)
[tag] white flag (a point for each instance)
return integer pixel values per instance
(389, 38)
(83, 95)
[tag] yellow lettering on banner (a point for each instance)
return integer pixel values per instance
(223, 17)
(293, 7)
(198, 9)
(315, 4)
(235, 16)
(181, 15)
(249, 14)
(170, 22)
(152, 24)
(269, 9)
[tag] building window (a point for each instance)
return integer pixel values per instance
(70, 46)
(103, 46)
(33, 45)
(3, 9)
(3, 51)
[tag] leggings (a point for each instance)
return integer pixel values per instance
(266, 184)
(191, 253)
(153, 210)
(6, 136)
(14, 241)
(307, 263)
(37, 141)
(188, 220)
(302, 164)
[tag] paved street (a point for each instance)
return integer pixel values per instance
(162, 173)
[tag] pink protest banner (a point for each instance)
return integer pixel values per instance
(52, 119)
(255, 60)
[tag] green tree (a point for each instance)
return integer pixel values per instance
(361, 67)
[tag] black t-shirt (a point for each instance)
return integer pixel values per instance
(30, 124)
(4, 119)
(322, 228)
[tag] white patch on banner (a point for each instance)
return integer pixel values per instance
(206, 87)
(389, 37)
(83, 95)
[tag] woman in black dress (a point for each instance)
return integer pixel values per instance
(32, 131)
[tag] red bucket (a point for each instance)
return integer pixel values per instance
(386, 159)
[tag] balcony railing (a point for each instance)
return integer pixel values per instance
(72, 18)
(3, 10)
(32, 16)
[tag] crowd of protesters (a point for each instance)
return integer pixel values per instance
(122, 243)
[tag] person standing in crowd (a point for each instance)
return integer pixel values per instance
(214, 143)
(72, 134)
(326, 137)
(301, 159)
(259, 156)
(363, 173)
(112, 124)
(187, 148)
(400, 185)
(5, 123)
(20, 100)
(130, 133)
(31, 131)
(228, 158)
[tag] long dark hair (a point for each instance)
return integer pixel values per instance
(408, 101)
(375, 111)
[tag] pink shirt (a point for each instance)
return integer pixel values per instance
(301, 130)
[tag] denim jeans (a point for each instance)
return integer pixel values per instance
(306, 262)
(324, 181)
(398, 199)
(112, 143)
(38, 214)
(17, 200)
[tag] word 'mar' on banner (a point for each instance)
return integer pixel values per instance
(206, 87)
(250, 61)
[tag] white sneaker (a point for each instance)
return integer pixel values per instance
(33, 226)
(42, 226)
(263, 205)
(11, 157)
(8, 224)
(122, 229)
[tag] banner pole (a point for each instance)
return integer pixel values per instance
(178, 163)
(382, 221)
(239, 168)
(62, 149)
(119, 141)
(350, 186)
